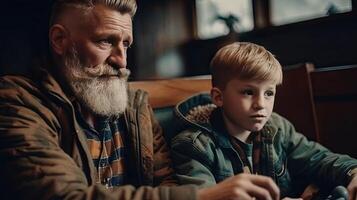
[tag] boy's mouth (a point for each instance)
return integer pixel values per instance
(258, 116)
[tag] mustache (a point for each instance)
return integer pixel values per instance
(105, 70)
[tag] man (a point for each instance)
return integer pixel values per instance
(74, 130)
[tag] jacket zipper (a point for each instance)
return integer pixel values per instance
(270, 164)
(235, 163)
(86, 156)
(138, 151)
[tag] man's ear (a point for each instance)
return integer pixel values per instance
(59, 38)
(217, 96)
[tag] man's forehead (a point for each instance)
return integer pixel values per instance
(81, 18)
(112, 19)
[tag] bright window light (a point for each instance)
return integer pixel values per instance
(290, 11)
(213, 15)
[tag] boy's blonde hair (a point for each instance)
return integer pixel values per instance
(245, 61)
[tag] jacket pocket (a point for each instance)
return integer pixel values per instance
(281, 168)
(282, 177)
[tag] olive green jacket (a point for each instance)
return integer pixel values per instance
(44, 153)
(204, 156)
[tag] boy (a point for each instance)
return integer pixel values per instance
(233, 132)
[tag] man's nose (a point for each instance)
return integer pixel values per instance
(117, 57)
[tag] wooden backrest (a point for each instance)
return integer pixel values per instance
(335, 96)
(294, 100)
(166, 93)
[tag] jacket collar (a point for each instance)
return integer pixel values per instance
(49, 84)
(218, 131)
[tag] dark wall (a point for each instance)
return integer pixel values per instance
(158, 26)
(23, 35)
(330, 41)
(325, 42)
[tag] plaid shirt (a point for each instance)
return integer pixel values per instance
(108, 150)
(250, 157)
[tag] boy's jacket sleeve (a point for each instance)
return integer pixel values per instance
(311, 159)
(193, 159)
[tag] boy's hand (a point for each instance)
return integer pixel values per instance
(352, 188)
(241, 187)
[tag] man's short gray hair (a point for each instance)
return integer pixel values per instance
(123, 6)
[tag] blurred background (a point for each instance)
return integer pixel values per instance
(176, 38)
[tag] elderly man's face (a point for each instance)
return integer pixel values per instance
(95, 63)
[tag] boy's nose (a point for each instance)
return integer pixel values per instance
(259, 103)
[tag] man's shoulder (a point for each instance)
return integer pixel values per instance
(133, 92)
(8, 81)
(137, 96)
(15, 85)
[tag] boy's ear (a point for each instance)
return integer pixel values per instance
(59, 39)
(217, 96)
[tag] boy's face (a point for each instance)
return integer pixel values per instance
(247, 105)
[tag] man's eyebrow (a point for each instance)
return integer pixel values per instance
(113, 35)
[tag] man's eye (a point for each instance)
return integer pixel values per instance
(247, 92)
(104, 42)
(126, 44)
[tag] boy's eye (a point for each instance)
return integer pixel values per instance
(269, 93)
(247, 92)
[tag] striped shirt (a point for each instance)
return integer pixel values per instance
(108, 150)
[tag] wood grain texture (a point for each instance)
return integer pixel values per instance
(164, 93)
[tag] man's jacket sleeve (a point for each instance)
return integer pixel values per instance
(34, 166)
(163, 171)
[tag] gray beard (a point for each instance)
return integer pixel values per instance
(101, 95)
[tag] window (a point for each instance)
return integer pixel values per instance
(290, 11)
(216, 17)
